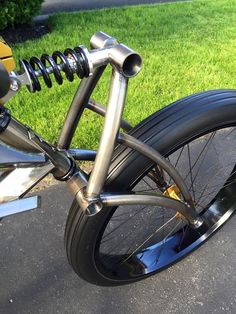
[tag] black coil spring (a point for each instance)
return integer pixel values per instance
(81, 67)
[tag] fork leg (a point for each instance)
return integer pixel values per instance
(111, 127)
(77, 107)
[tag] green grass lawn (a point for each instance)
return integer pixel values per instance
(186, 48)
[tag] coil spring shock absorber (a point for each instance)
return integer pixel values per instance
(70, 62)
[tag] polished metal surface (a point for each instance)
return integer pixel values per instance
(127, 61)
(151, 199)
(78, 181)
(62, 162)
(101, 39)
(109, 199)
(17, 135)
(16, 81)
(82, 154)
(21, 180)
(19, 206)
(101, 110)
(115, 108)
(99, 57)
(10, 155)
(20, 137)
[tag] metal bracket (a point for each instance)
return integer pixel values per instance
(19, 206)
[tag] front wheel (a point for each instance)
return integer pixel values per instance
(125, 244)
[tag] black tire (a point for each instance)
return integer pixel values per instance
(167, 130)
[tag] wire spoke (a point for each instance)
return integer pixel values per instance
(108, 239)
(136, 213)
(204, 156)
(180, 154)
(214, 186)
(191, 174)
(147, 190)
(148, 184)
(164, 241)
(194, 164)
(149, 238)
(135, 239)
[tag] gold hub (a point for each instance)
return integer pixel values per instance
(174, 192)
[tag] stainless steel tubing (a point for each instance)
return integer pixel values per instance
(126, 60)
(101, 110)
(81, 98)
(151, 199)
(16, 135)
(111, 127)
(153, 155)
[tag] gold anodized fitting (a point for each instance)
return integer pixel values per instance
(173, 192)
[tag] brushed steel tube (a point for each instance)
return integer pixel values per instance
(111, 127)
(101, 110)
(99, 57)
(81, 98)
(141, 199)
(82, 154)
(153, 155)
(17, 135)
(125, 59)
(101, 39)
(155, 200)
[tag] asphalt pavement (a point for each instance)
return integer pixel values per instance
(52, 6)
(36, 278)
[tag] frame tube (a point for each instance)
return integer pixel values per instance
(151, 199)
(83, 154)
(111, 127)
(74, 114)
(101, 110)
(152, 154)
(12, 156)
(17, 135)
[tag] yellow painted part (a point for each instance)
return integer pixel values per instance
(6, 56)
(9, 64)
(172, 192)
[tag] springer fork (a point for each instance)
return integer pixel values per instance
(32, 157)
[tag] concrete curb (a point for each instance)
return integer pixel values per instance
(44, 17)
(41, 18)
